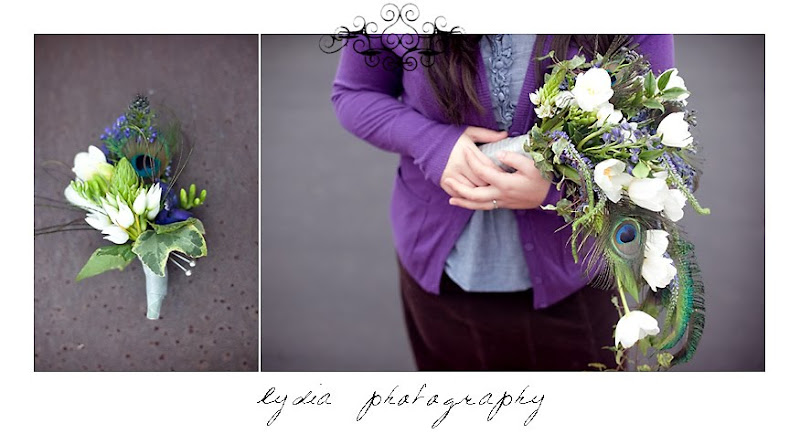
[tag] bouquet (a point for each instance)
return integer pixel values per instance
(615, 139)
(127, 187)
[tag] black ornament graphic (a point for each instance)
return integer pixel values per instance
(398, 45)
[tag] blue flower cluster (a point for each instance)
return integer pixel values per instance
(171, 212)
(118, 130)
(687, 173)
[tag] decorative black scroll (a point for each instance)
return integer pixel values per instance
(400, 33)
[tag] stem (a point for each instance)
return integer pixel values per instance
(591, 136)
(622, 295)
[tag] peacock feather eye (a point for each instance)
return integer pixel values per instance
(146, 166)
(628, 239)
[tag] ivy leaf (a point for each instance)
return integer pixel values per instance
(663, 79)
(570, 173)
(107, 258)
(575, 62)
(537, 156)
(664, 360)
(641, 170)
(644, 368)
(172, 227)
(153, 248)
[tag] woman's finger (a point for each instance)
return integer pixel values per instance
(489, 173)
(475, 194)
(519, 162)
(484, 135)
(469, 204)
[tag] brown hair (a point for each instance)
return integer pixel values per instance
(453, 72)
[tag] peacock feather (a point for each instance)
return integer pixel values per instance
(620, 246)
(136, 136)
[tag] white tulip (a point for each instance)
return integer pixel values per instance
(633, 326)
(676, 81)
(673, 205)
(592, 88)
(91, 163)
(674, 131)
(648, 193)
(657, 270)
(607, 115)
(655, 243)
(610, 176)
(140, 203)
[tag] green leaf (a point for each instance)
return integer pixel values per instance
(537, 156)
(664, 360)
(107, 258)
(663, 79)
(641, 170)
(649, 84)
(653, 104)
(569, 173)
(674, 93)
(651, 154)
(172, 227)
(644, 368)
(575, 62)
(153, 248)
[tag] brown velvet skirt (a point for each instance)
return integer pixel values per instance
(468, 331)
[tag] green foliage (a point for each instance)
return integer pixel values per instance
(664, 360)
(154, 246)
(644, 368)
(673, 93)
(653, 104)
(107, 258)
(650, 85)
(124, 180)
(641, 170)
(190, 200)
(663, 79)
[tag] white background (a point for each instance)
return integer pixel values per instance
(226, 402)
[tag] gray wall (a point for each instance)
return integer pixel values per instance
(329, 279)
(209, 320)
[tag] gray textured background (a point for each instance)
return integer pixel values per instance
(329, 284)
(209, 320)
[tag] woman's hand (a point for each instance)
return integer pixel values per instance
(523, 189)
(457, 167)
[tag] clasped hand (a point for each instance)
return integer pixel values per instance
(474, 182)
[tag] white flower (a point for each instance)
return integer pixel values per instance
(115, 234)
(153, 201)
(140, 203)
(545, 111)
(676, 81)
(78, 200)
(648, 193)
(657, 270)
(98, 220)
(610, 176)
(535, 98)
(673, 204)
(607, 115)
(592, 88)
(633, 326)
(91, 163)
(118, 211)
(563, 99)
(674, 131)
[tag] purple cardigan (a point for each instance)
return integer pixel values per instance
(425, 225)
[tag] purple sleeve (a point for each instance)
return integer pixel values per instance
(365, 100)
(658, 48)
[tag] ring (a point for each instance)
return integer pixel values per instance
(494, 201)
